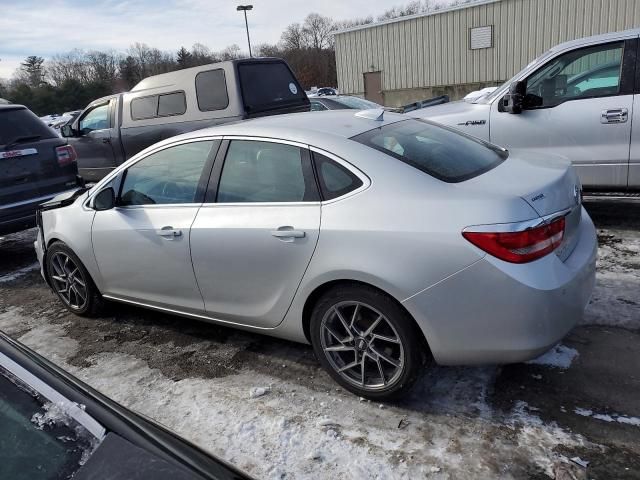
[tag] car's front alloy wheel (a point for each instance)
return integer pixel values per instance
(71, 282)
(366, 342)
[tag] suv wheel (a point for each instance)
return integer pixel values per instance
(71, 281)
(366, 342)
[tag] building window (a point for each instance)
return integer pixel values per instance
(481, 37)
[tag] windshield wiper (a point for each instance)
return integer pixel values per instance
(23, 139)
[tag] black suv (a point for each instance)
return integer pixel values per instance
(35, 165)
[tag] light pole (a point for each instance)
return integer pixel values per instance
(244, 8)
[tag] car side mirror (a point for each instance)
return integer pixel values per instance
(105, 200)
(513, 102)
(67, 131)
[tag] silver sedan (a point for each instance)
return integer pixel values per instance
(385, 242)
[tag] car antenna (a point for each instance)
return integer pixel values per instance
(372, 114)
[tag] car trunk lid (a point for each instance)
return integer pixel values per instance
(548, 184)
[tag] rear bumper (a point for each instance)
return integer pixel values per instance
(498, 312)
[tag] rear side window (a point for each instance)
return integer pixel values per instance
(21, 123)
(171, 104)
(211, 90)
(268, 85)
(257, 171)
(441, 152)
(153, 106)
(145, 107)
(334, 179)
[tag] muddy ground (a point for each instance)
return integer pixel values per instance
(516, 421)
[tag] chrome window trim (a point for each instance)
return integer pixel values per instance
(70, 408)
(518, 226)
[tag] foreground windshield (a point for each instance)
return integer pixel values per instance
(440, 152)
(36, 443)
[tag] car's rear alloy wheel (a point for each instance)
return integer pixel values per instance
(362, 345)
(70, 280)
(366, 341)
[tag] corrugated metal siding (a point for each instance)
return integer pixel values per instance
(433, 50)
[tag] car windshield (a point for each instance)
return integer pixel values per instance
(357, 103)
(21, 123)
(438, 151)
(37, 443)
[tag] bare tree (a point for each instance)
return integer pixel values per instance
(317, 31)
(293, 37)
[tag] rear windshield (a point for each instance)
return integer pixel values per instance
(268, 85)
(441, 152)
(355, 102)
(20, 124)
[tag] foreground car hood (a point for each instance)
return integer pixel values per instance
(471, 118)
(546, 182)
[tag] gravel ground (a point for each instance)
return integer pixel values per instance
(265, 405)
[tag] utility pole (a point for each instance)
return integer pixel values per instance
(244, 8)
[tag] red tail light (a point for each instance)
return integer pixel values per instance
(66, 155)
(520, 247)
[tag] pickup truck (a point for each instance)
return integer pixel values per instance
(576, 100)
(114, 128)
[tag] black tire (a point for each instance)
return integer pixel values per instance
(352, 300)
(89, 306)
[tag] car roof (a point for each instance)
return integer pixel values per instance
(596, 39)
(11, 106)
(301, 127)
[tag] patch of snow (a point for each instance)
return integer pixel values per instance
(256, 392)
(559, 356)
(606, 417)
(21, 272)
(579, 461)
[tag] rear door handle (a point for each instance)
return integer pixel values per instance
(288, 233)
(614, 115)
(169, 232)
(106, 140)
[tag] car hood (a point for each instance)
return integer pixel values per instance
(471, 118)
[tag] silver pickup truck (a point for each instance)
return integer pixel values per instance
(581, 99)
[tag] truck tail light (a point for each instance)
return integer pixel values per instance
(520, 247)
(66, 155)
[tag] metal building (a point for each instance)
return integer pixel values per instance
(456, 50)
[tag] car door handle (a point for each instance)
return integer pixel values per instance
(614, 115)
(288, 232)
(169, 232)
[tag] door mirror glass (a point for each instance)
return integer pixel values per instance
(105, 200)
(513, 101)
(67, 131)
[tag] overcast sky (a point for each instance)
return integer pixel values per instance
(47, 27)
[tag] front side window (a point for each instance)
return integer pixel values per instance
(170, 176)
(95, 119)
(584, 73)
(257, 171)
(441, 152)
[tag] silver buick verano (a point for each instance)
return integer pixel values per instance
(383, 241)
